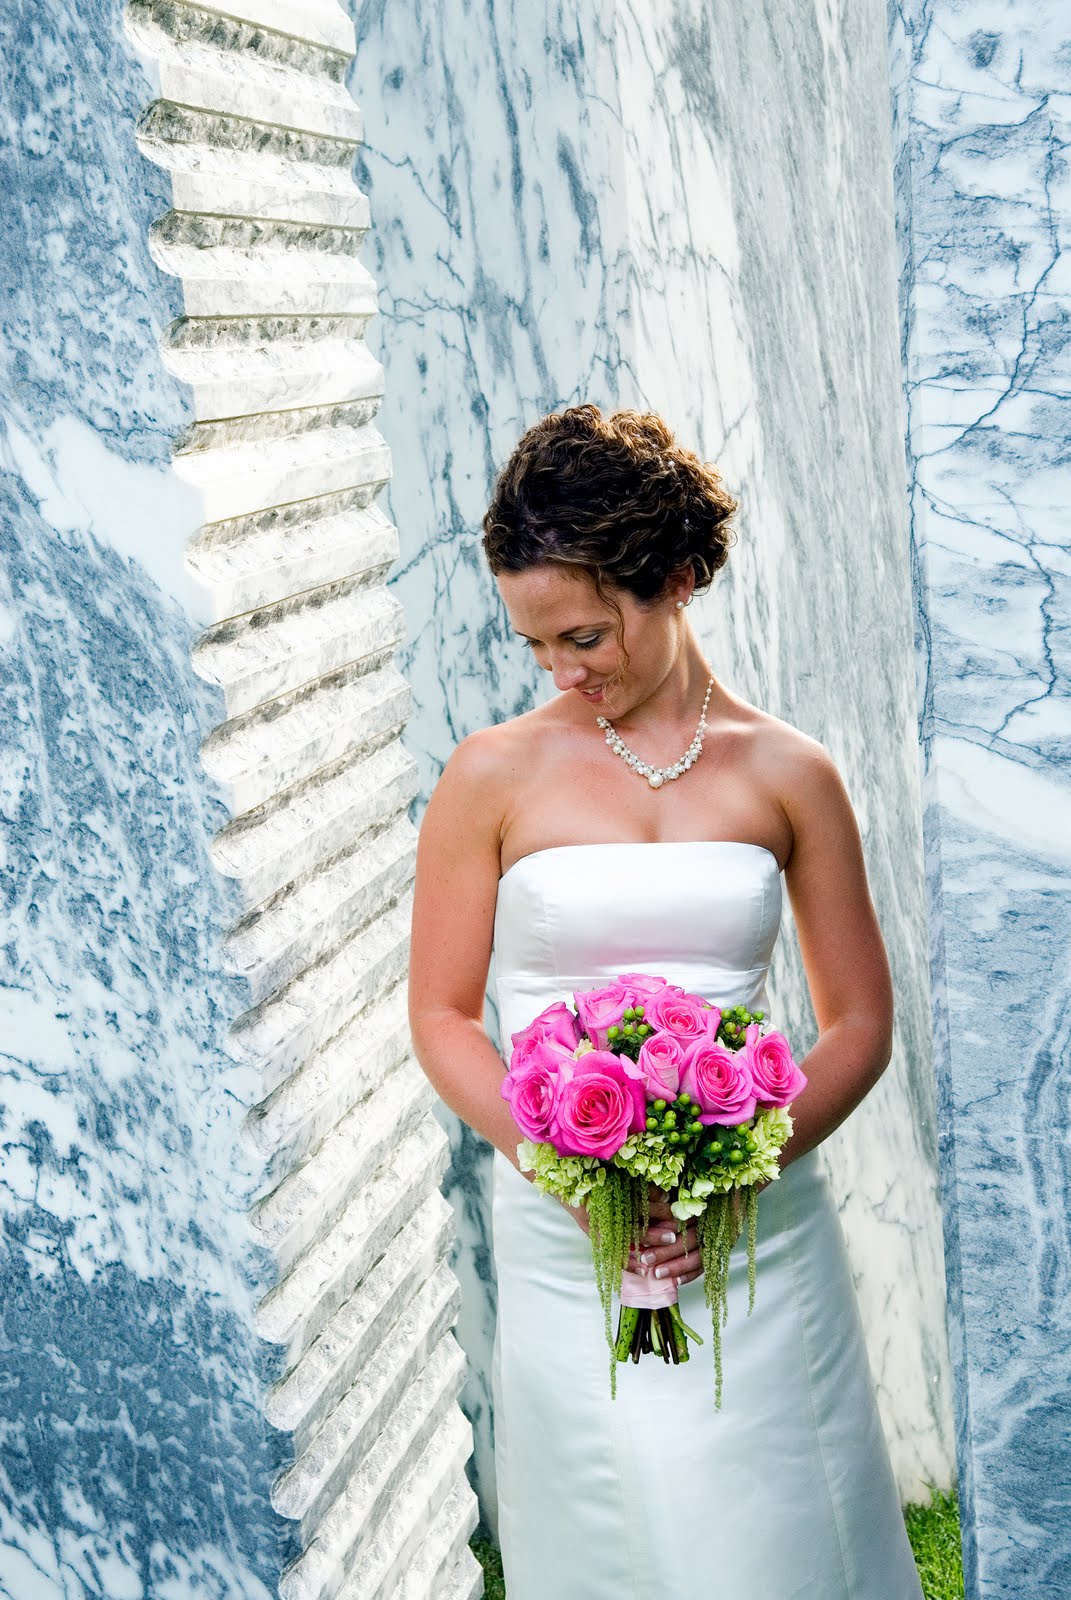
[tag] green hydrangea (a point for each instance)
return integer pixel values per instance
(570, 1178)
(647, 1155)
(769, 1133)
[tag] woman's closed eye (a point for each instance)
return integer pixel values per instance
(581, 644)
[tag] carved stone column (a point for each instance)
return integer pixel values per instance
(227, 1310)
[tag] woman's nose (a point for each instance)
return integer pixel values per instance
(568, 674)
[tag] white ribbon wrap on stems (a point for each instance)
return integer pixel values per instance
(647, 1293)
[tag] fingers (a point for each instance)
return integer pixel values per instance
(681, 1267)
(664, 1253)
(669, 1233)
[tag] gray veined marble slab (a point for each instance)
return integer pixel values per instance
(984, 222)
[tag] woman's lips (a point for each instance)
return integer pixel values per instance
(592, 694)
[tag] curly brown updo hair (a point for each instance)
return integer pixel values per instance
(613, 495)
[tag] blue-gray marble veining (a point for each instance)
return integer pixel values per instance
(984, 210)
(689, 209)
(136, 1460)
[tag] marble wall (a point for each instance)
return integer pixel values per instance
(692, 212)
(984, 217)
(225, 1310)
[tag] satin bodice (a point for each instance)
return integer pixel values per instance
(702, 914)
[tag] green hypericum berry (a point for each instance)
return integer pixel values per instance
(638, 1011)
(684, 1099)
(652, 1122)
(696, 1127)
(613, 1031)
(736, 1156)
(660, 1105)
(672, 1137)
(670, 1119)
(643, 1030)
(718, 1146)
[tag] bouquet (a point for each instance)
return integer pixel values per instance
(645, 1083)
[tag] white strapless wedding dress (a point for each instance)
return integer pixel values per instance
(787, 1492)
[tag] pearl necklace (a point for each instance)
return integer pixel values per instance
(656, 776)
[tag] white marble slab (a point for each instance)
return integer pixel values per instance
(689, 210)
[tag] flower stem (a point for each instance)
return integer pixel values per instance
(690, 1333)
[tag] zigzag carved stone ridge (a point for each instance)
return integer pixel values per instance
(253, 123)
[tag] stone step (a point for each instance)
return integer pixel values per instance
(227, 382)
(312, 820)
(202, 178)
(313, 913)
(227, 282)
(465, 1582)
(258, 757)
(265, 653)
(376, 1573)
(305, 1206)
(209, 60)
(321, 21)
(283, 1032)
(296, 1310)
(360, 1058)
(218, 165)
(239, 480)
(349, 1432)
(300, 1401)
(247, 562)
(443, 1563)
(395, 1493)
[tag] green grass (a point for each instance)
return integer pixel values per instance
(493, 1586)
(934, 1533)
(933, 1530)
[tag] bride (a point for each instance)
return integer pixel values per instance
(641, 821)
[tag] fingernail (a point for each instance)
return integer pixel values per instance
(661, 1272)
(669, 1238)
(648, 1255)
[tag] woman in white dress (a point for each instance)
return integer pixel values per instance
(580, 840)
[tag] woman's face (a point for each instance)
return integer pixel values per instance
(573, 634)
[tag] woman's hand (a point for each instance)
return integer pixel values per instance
(665, 1245)
(669, 1249)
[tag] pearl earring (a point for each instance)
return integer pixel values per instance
(679, 604)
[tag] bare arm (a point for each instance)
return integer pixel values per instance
(457, 872)
(843, 952)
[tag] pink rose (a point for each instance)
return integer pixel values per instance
(684, 1015)
(537, 1053)
(643, 984)
(532, 1090)
(777, 1078)
(600, 1101)
(719, 1081)
(660, 1061)
(556, 1023)
(599, 1009)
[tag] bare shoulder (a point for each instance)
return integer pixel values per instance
(477, 785)
(489, 759)
(799, 775)
(794, 756)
